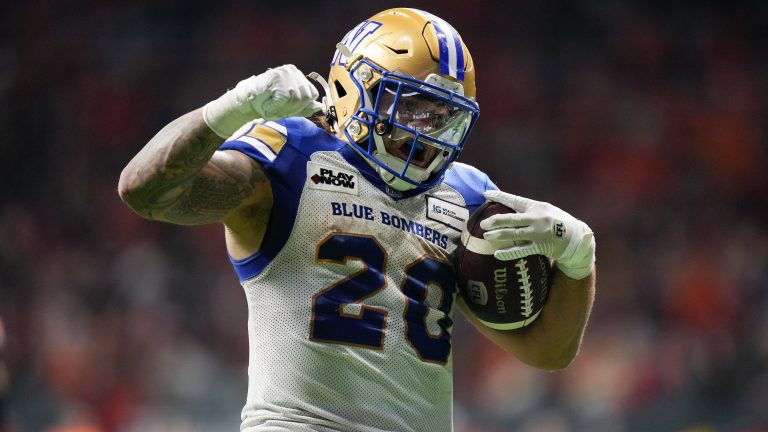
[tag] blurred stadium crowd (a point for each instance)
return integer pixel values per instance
(645, 119)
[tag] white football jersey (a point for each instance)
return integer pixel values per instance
(351, 297)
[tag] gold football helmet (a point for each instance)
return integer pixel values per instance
(401, 91)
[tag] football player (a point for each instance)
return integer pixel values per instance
(341, 233)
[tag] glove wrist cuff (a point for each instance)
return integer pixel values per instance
(576, 273)
(229, 112)
(581, 262)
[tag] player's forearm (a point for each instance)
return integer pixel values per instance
(160, 174)
(553, 340)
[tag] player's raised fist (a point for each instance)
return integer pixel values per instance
(277, 93)
(289, 94)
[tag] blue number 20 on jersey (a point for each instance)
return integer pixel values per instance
(365, 327)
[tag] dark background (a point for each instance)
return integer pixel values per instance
(645, 119)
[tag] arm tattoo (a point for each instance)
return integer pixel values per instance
(174, 177)
(223, 186)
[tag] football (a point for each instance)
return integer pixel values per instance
(503, 295)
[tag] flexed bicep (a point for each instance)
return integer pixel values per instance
(180, 177)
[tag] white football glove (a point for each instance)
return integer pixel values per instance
(539, 228)
(275, 94)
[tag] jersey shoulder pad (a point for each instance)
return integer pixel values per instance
(307, 137)
(470, 182)
(264, 141)
(272, 134)
(259, 139)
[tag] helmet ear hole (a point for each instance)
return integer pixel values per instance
(339, 89)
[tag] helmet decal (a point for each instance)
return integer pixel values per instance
(353, 39)
(451, 53)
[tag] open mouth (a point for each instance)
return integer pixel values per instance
(422, 154)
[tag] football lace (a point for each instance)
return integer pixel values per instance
(526, 301)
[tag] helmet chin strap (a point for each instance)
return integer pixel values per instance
(329, 111)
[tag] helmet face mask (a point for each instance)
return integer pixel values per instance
(399, 101)
(413, 113)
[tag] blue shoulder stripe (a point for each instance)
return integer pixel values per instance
(470, 182)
